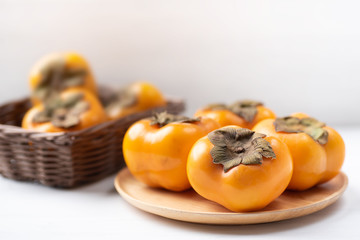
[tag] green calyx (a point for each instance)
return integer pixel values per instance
(245, 109)
(235, 146)
(55, 77)
(63, 113)
(310, 126)
(164, 118)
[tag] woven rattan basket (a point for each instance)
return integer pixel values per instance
(64, 159)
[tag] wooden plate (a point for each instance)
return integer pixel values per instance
(190, 207)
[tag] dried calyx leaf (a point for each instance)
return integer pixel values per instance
(235, 146)
(310, 126)
(63, 113)
(61, 118)
(56, 77)
(164, 118)
(216, 106)
(245, 109)
(124, 98)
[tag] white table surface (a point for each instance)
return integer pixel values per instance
(96, 211)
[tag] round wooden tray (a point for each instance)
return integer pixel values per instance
(190, 207)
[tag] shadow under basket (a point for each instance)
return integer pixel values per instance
(66, 159)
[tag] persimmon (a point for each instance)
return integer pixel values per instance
(317, 150)
(57, 72)
(156, 149)
(72, 110)
(241, 113)
(238, 168)
(136, 97)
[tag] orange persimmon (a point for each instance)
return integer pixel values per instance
(317, 150)
(136, 97)
(242, 113)
(156, 149)
(72, 110)
(240, 169)
(59, 71)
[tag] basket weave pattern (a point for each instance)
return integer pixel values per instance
(64, 159)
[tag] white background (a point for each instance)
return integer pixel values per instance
(292, 55)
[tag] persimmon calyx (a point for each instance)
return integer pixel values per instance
(56, 77)
(123, 98)
(235, 146)
(63, 113)
(310, 126)
(163, 118)
(245, 109)
(216, 106)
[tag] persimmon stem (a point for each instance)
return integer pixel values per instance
(310, 126)
(245, 109)
(164, 118)
(235, 146)
(63, 113)
(56, 77)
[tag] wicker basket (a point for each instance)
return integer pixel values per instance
(64, 159)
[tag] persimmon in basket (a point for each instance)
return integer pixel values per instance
(136, 97)
(317, 150)
(244, 113)
(240, 169)
(156, 149)
(72, 110)
(57, 72)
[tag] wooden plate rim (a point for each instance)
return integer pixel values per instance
(317, 206)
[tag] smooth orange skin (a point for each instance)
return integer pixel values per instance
(148, 96)
(72, 60)
(335, 154)
(226, 117)
(157, 156)
(335, 151)
(94, 115)
(244, 187)
(313, 163)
